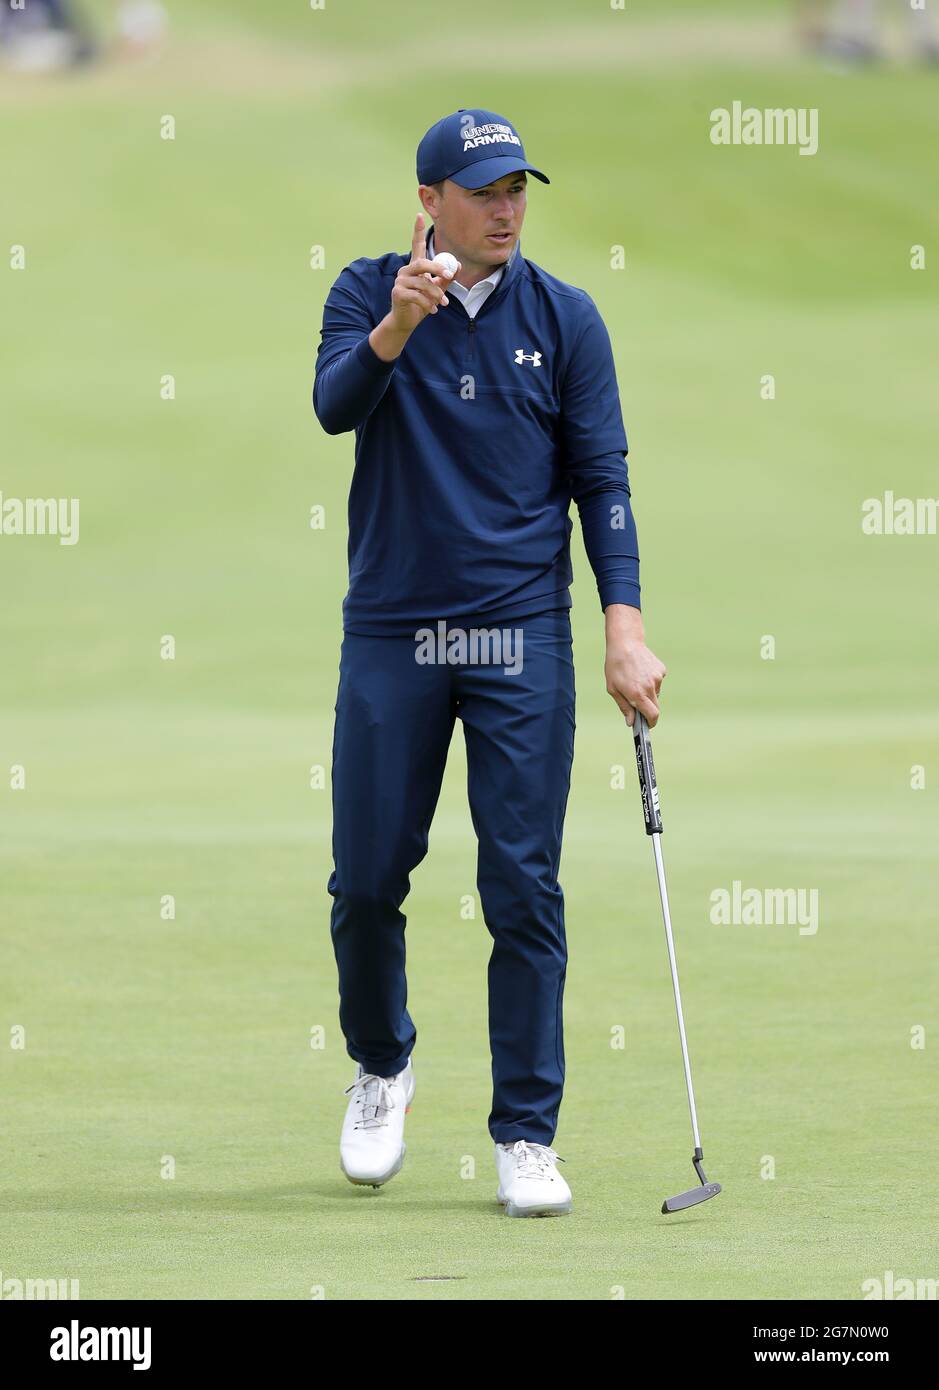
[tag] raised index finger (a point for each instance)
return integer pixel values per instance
(418, 240)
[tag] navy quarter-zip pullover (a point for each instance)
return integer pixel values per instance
(470, 447)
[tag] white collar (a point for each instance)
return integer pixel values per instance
(459, 289)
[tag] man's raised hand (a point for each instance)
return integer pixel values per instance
(418, 289)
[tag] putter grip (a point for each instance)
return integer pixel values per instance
(646, 768)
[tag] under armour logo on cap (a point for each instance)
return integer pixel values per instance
(473, 148)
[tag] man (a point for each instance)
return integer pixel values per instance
(851, 36)
(43, 36)
(482, 401)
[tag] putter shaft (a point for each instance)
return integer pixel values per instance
(656, 839)
(653, 819)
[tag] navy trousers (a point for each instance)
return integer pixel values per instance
(394, 721)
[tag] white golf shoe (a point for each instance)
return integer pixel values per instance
(529, 1182)
(372, 1147)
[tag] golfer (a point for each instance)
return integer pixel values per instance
(482, 402)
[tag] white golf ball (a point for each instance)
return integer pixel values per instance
(446, 262)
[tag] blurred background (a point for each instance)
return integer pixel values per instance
(180, 184)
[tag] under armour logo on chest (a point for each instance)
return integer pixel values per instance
(522, 356)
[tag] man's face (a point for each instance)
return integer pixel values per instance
(466, 218)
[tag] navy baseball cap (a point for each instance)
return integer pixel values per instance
(472, 148)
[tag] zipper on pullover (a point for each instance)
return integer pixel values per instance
(471, 320)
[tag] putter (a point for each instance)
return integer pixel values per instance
(653, 819)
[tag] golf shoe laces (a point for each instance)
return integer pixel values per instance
(533, 1160)
(375, 1097)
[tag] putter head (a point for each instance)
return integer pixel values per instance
(691, 1198)
(696, 1194)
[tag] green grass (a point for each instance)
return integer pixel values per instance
(190, 1038)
